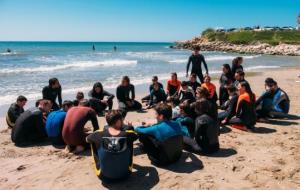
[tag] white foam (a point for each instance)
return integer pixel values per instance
(8, 53)
(261, 67)
(77, 64)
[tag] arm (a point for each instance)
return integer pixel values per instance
(188, 65)
(59, 97)
(93, 118)
(151, 98)
(146, 130)
(109, 95)
(44, 92)
(132, 135)
(205, 65)
(132, 92)
(231, 108)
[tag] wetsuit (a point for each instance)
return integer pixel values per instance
(207, 133)
(147, 98)
(187, 94)
(237, 82)
(273, 103)
(194, 85)
(73, 133)
(245, 112)
(230, 109)
(197, 61)
(95, 100)
(51, 94)
(212, 90)
(29, 127)
(123, 95)
(235, 68)
(54, 125)
(157, 96)
(13, 113)
(225, 81)
(173, 87)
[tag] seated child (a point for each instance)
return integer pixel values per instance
(186, 93)
(15, 110)
(229, 106)
(30, 125)
(162, 141)
(73, 132)
(157, 95)
(274, 102)
(113, 148)
(55, 122)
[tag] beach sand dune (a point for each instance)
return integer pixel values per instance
(266, 159)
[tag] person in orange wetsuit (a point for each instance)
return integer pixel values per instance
(173, 85)
(210, 87)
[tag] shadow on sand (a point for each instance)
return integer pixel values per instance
(222, 153)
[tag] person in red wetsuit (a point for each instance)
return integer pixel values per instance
(73, 131)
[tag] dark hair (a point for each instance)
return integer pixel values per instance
(165, 110)
(175, 74)
(154, 78)
(227, 66)
(193, 75)
(185, 106)
(202, 106)
(113, 116)
(236, 60)
(270, 81)
(79, 95)
(126, 78)
(37, 102)
(67, 103)
(44, 102)
(97, 85)
(231, 88)
(21, 99)
(204, 93)
(85, 103)
(241, 73)
(173, 100)
(196, 48)
(52, 81)
(184, 83)
(247, 87)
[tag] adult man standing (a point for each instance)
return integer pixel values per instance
(196, 59)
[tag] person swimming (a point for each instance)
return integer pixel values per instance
(94, 47)
(196, 59)
(115, 48)
(15, 110)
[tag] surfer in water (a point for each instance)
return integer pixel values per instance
(8, 50)
(115, 48)
(94, 47)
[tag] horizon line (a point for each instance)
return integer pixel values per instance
(88, 41)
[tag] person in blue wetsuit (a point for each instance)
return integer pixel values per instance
(154, 136)
(55, 122)
(274, 102)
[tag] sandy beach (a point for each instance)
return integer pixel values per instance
(267, 159)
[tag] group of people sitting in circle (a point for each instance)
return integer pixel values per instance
(186, 113)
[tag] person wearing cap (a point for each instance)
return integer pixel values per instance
(274, 102)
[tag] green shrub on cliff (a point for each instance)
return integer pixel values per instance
(248, 37)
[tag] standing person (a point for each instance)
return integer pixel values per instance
(245, 110)
(154, 81)
(55, 122)
(97, 100)
(127, 102)
(193, 82)
(94, 47)
(173, 85)
(211, 88)
(30, 125)
(237, 65)
(196, 59)
(53, 92)
(73, 132)
(226, 80)
(15, 110)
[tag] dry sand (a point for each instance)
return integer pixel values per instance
(268, 159)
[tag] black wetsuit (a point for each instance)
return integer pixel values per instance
(123, 95)
(187, 95)
(13, 113)
(225, 80)
(96, 104)
(147, 98)
(237, 82)
(230, 108)
(207, 133)
(197, 61)
(30, 127)
(194, 85)
(157, 96)
(51, 94)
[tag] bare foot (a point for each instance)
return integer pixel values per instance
(68, 149)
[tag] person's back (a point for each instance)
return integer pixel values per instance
(54, 123)
(207, 133)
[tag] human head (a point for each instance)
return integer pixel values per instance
(79, 96)
(156, 86)
(239, 60)
(21, 101)
(185, 108)
(207, 79)
(97, 88)
(54, 83)
(154, 79)
(125, 81)
(226, 68)
(84, 103)
(270, 84)
(240, 75)
(193, 77)
(184, 85)
(67, 104)
(244, 87)
(196, 49)
(174, 76)
(45, 105)
(173, 101)
(202, 106)
(163, 112)
(38, 102)
(114, 118)
(231, 90)
(202, 92)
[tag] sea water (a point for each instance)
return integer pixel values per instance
(29, 65)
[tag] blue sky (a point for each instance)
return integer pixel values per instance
(135, 20)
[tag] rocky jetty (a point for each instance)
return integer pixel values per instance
(255, 48)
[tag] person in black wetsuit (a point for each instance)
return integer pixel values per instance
(237, 65)
(53, 91)
(229, 106)
(127, 103)
(186, 93)
(203, 93)
(193, 82)
(154, 81)
(157, 95)
(226, 80)
(15, 110)
(79, 98)
(239, 77)
(196, 59)
(97, 101)
(30, 125)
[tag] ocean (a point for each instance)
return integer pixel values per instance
(27, 69)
